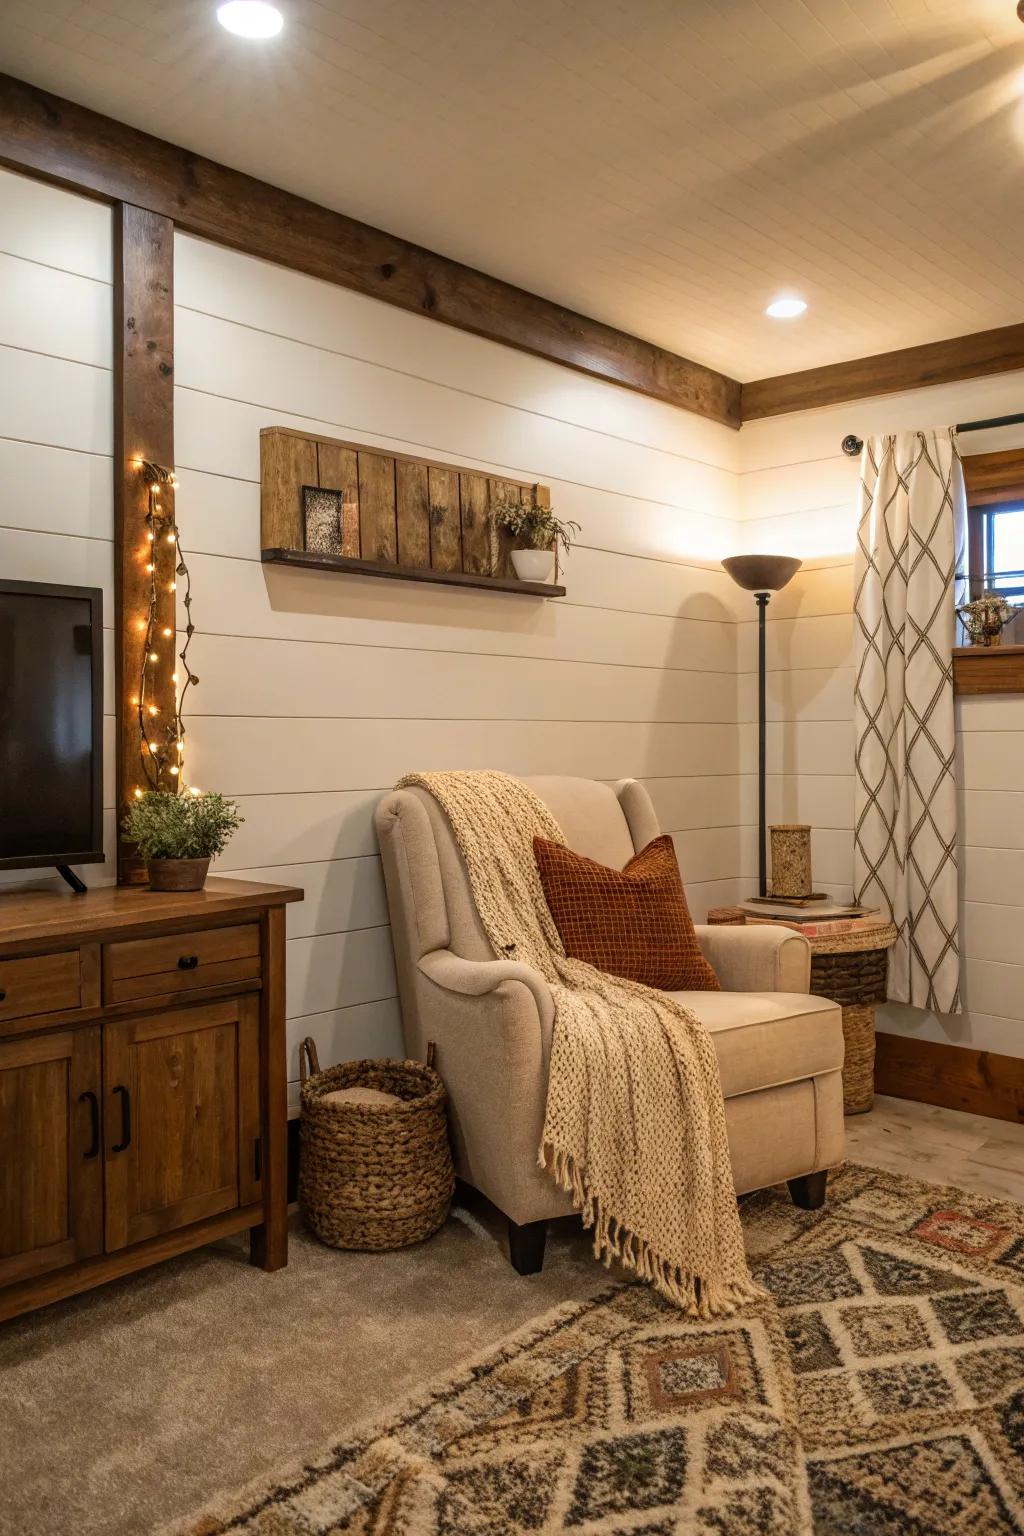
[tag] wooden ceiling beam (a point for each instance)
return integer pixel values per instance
(887, 373)
(75, 147)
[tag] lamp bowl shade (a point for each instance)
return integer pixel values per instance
(762, 573)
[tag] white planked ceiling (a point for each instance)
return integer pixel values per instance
(664, 165)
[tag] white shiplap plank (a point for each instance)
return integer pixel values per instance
(56, 228)
(49, 400)
(55, 557)
(270, 678)
(257, 757)
(334, 970)
(340, 894)
(346, 1034)
(55, 490)
(59, 313)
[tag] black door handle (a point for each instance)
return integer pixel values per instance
(94, 1113)
(3, 993)
(187, 962)
(126, 1119)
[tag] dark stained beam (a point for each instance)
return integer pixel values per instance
(887, 373)
(143, 429)
(78, 148)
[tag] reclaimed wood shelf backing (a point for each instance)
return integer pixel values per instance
(398, 516)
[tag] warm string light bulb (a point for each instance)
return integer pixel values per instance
(161, 531)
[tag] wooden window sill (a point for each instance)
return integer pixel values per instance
(988, 669)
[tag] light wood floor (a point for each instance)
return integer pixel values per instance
(940, 1145)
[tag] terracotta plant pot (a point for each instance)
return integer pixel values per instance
(533, 564)
(177, 874)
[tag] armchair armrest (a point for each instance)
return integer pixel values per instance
(763, 957)
(475, 978)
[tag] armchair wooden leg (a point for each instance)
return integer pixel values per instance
(808, 1192)
(526, 1246)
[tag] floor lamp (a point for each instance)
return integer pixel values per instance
(762, 575)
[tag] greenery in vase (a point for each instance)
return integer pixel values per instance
(164, 825)
(537, 527)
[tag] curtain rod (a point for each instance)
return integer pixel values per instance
(852, 444)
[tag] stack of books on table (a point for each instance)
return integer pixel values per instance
(814, 917)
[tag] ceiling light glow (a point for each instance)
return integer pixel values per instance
(250, 18)
(784, 308)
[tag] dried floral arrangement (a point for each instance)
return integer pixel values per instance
(986, 617)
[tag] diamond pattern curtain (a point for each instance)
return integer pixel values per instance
(908, 553)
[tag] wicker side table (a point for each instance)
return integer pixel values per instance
(850, 969)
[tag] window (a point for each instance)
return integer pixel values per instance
(1002, 543)
(995, 522)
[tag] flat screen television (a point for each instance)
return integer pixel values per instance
(51, 726)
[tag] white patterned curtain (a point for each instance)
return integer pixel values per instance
(909, 546)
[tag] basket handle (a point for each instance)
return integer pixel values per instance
(308, 1049)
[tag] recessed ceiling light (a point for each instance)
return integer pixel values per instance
(250, 18)
(785, 309)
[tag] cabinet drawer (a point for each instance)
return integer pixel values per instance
(208, 957)
(40, 984)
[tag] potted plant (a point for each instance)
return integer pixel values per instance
(178, 835)
(542, 535)
(986, 617)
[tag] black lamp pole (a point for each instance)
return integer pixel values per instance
(762, 599)
(762, 575)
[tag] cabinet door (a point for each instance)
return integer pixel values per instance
(51, 1183)
(182, 1117)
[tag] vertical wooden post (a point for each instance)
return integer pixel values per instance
(143, 429)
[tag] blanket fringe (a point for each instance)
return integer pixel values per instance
(695, 1295)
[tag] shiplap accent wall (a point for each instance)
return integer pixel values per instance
(56, 432)
(798, 495)
(317, 691)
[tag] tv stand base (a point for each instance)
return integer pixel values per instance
(78, 886)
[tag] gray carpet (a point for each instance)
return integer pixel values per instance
(134, 1404)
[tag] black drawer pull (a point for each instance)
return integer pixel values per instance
(187, 962)
(94, 1112)
(3, 993)
(126, 1120)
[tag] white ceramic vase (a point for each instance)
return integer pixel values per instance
(533, 564)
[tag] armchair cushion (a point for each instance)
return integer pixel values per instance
(631, 922)
(764, 1039)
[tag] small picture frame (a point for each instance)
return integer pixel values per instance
(323, 519)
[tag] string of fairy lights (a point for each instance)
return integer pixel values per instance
(162, 731)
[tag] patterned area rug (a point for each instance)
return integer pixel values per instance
(880, 1392)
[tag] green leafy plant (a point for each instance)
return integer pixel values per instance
(537, 527)
(186, 826)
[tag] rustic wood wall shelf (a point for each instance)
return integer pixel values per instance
(407, 518)
(313, 561)
(988, 669)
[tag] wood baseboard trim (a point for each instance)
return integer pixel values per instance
(952, 1076)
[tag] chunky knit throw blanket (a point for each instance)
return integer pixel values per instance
(635, 1123)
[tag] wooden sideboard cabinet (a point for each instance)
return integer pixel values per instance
(143, 1081)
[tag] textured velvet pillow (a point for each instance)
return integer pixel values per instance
(632, 922)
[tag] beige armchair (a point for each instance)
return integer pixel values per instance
(780, 1050)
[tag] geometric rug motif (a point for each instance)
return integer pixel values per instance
(877, 1391)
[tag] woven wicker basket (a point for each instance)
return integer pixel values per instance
(373, 1176)
(854, 978)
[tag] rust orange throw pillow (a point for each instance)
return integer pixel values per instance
(632, 922)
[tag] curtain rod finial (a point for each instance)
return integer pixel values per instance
(852, 445)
